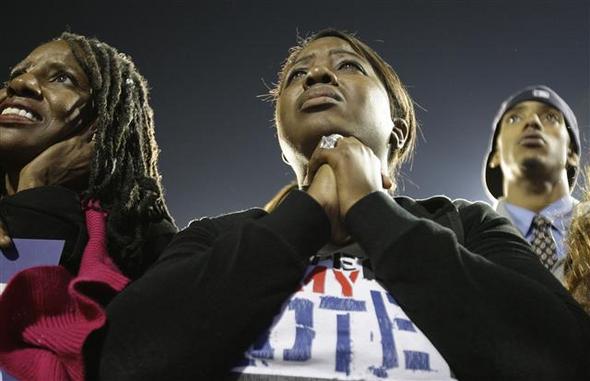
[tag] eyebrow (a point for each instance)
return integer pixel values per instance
(514, 109)
(345, 52)
(51, 65)
(18, 69)
(332, 52)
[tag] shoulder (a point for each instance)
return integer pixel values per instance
(471, 218)
(225, 221)
(159, 234)
(202, 232)
(438, 205)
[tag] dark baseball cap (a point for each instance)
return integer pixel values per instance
(493, 177)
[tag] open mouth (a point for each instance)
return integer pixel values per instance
(17, 113)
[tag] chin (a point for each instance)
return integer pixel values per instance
(15, 153)
(535, 166)
(532, 162)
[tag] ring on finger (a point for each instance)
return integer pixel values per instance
(330, 141)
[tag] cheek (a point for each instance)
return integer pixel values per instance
(283, 115)
(376, 112)
(506, 139)
(66, 104)
(503, 148)
(562, 144)
(373, 100)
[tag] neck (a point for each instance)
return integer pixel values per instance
(535, 194)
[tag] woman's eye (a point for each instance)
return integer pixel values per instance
(63, 78)
(296, 74)
(349, 65)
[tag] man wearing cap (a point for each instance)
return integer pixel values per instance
(531, 170)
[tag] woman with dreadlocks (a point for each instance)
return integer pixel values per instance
(78, 167)
(338, 279)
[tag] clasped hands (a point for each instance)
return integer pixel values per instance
(339, 177)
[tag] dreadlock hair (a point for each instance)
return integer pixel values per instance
(124, 175)
(400, 102)
(577, 278)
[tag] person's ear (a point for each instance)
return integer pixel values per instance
(399, 133)
(573, 159)
(495, 160)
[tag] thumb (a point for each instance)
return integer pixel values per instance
(5, 241)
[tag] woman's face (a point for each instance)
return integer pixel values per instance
(46, 100)
(331, 89)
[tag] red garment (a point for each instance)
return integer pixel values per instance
(46, 314)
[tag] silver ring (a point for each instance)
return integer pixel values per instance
(329, 142)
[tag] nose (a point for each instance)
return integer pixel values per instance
(534, 121)
(320, 75)
(24, 85)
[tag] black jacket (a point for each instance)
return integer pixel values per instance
(55, 212)
(475, 290)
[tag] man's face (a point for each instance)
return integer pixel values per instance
(533, 136)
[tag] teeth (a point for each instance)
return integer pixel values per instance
(19, 112)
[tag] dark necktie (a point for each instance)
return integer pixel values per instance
(542, 241)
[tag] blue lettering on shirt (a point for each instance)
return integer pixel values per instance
(387, 342)
(383, 326)
(343, 350)
(305, 334)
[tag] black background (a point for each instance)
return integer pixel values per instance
(208, 61)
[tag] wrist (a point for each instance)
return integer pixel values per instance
(352, 199)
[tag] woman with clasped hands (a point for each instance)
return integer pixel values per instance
(343, 281)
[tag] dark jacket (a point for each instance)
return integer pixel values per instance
(474, 288)
(55, 212)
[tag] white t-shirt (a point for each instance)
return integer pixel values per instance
(342, 325)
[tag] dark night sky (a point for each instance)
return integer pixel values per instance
(207, 62)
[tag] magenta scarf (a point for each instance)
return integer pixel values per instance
(46, 314)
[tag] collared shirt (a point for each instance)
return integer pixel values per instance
(560, 214)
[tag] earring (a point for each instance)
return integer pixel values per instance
(396, 139)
